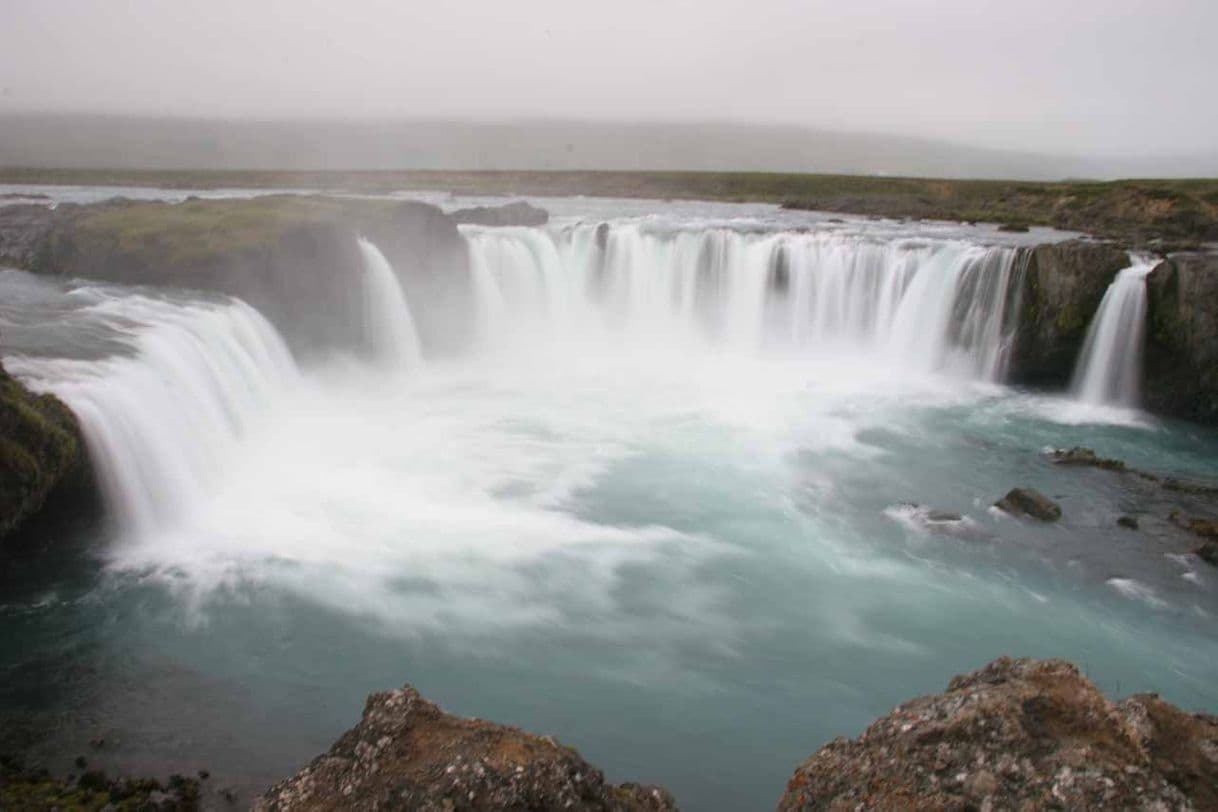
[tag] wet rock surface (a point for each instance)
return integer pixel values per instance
(42, 454)
(406, 753)
(1182, 342)
(1085, 457)
(1018, 734)
(1174, 511)
(1062, 285)
(1029, 502)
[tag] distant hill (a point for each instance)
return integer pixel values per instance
(124, 142)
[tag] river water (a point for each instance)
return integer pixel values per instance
(672, 508)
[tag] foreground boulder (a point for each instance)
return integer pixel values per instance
(42, 452)
(406, 753)
(1029, 502)
(1018, 734)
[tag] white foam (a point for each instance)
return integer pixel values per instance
(1136, 590)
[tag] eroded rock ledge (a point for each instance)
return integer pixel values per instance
(406, 753)
(1018, 734)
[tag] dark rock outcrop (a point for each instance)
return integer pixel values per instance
(1063, 284)
(1208, 552)
(406, 753)
(24, 231)
(519, 213)
(1182, 345)
(1018, 734)
(42, 453)
(1029, 502)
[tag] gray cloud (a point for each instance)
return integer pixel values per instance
(1109, 77)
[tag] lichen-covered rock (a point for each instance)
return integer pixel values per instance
(41, 451)
(1021, 735)
(1063, 284)
(1182, 348)
(406, 753)
(1029, 502)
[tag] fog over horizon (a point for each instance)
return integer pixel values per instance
(1037, 89)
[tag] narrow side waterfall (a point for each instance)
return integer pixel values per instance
(932, 305)
(1109, 369)
(389, 325)
(161, 421)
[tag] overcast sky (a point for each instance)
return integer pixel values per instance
(1113, 77)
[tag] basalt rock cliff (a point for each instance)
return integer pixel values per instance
(1182, 345)
(1061, 288)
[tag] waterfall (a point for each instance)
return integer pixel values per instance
(389, 326)
(1109, 369)
(933, 305)
(161, 421)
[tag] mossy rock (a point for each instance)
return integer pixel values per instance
(40, 448)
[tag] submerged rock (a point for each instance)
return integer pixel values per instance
(1018, 734)
(1128, 522)
(406, 753)
(1208, 552)
(1029, 502)
(1085, 457)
